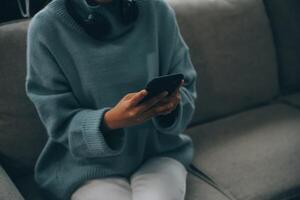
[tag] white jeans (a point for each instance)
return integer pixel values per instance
(159, 178)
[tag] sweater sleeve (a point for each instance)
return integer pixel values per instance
(175, 58)
(77, 128)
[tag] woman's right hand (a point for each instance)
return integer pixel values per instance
(127, 113)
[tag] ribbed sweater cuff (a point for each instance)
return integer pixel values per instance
(173, 119)
(94, 137)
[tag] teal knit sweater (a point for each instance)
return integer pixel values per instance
(73, 79)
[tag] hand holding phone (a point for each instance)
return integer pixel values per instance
(168, 104)
(126, 112)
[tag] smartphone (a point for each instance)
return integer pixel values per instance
(162, 83)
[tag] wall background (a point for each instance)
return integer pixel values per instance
(9, 9)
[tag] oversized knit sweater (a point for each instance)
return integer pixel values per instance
(73, 79)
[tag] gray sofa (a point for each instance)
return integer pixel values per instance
(246, 128)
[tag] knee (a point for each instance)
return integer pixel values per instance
(162, 166)
(113, 188)
(161, 178)
(156, 191)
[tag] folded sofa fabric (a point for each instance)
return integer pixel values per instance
(285, 21)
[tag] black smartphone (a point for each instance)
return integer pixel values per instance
(162, 83)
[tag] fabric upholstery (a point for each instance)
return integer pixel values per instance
(28, 187)
(232, 48)
(254, 154)
(8, 190)
(197, 189)
(285, 20)
(293, 99)
(19, 124)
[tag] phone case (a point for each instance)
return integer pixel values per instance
(162, 83)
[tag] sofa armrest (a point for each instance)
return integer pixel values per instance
(8, 190)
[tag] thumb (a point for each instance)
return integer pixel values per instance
(138, 97)
(182, 82)
(180, 85)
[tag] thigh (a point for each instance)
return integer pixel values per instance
(112, 188)
(159, 178)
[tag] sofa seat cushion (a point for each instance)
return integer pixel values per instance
(8, 190)
(293, 99)
(28, 187)
(199, 190)
(253, 154)
(196, 189)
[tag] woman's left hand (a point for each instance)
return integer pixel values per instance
(169, 103)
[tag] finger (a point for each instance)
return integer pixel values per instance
(162, 110)
(157, 110)
(128, 96)
(165, 100)
(161, 103)
(138, 97)
(181, 84)
(149, 103)
(151, 113)
(172, 98)
(165, 113)
(176, 91)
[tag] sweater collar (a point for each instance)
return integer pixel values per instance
(110, 10)
(85, 9)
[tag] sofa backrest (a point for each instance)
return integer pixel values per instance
(22, 135)
(232, 49)
(285, 21)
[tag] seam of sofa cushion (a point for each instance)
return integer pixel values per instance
(14, 21)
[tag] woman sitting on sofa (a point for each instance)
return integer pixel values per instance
(88, 62)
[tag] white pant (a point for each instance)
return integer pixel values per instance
(159, 178)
